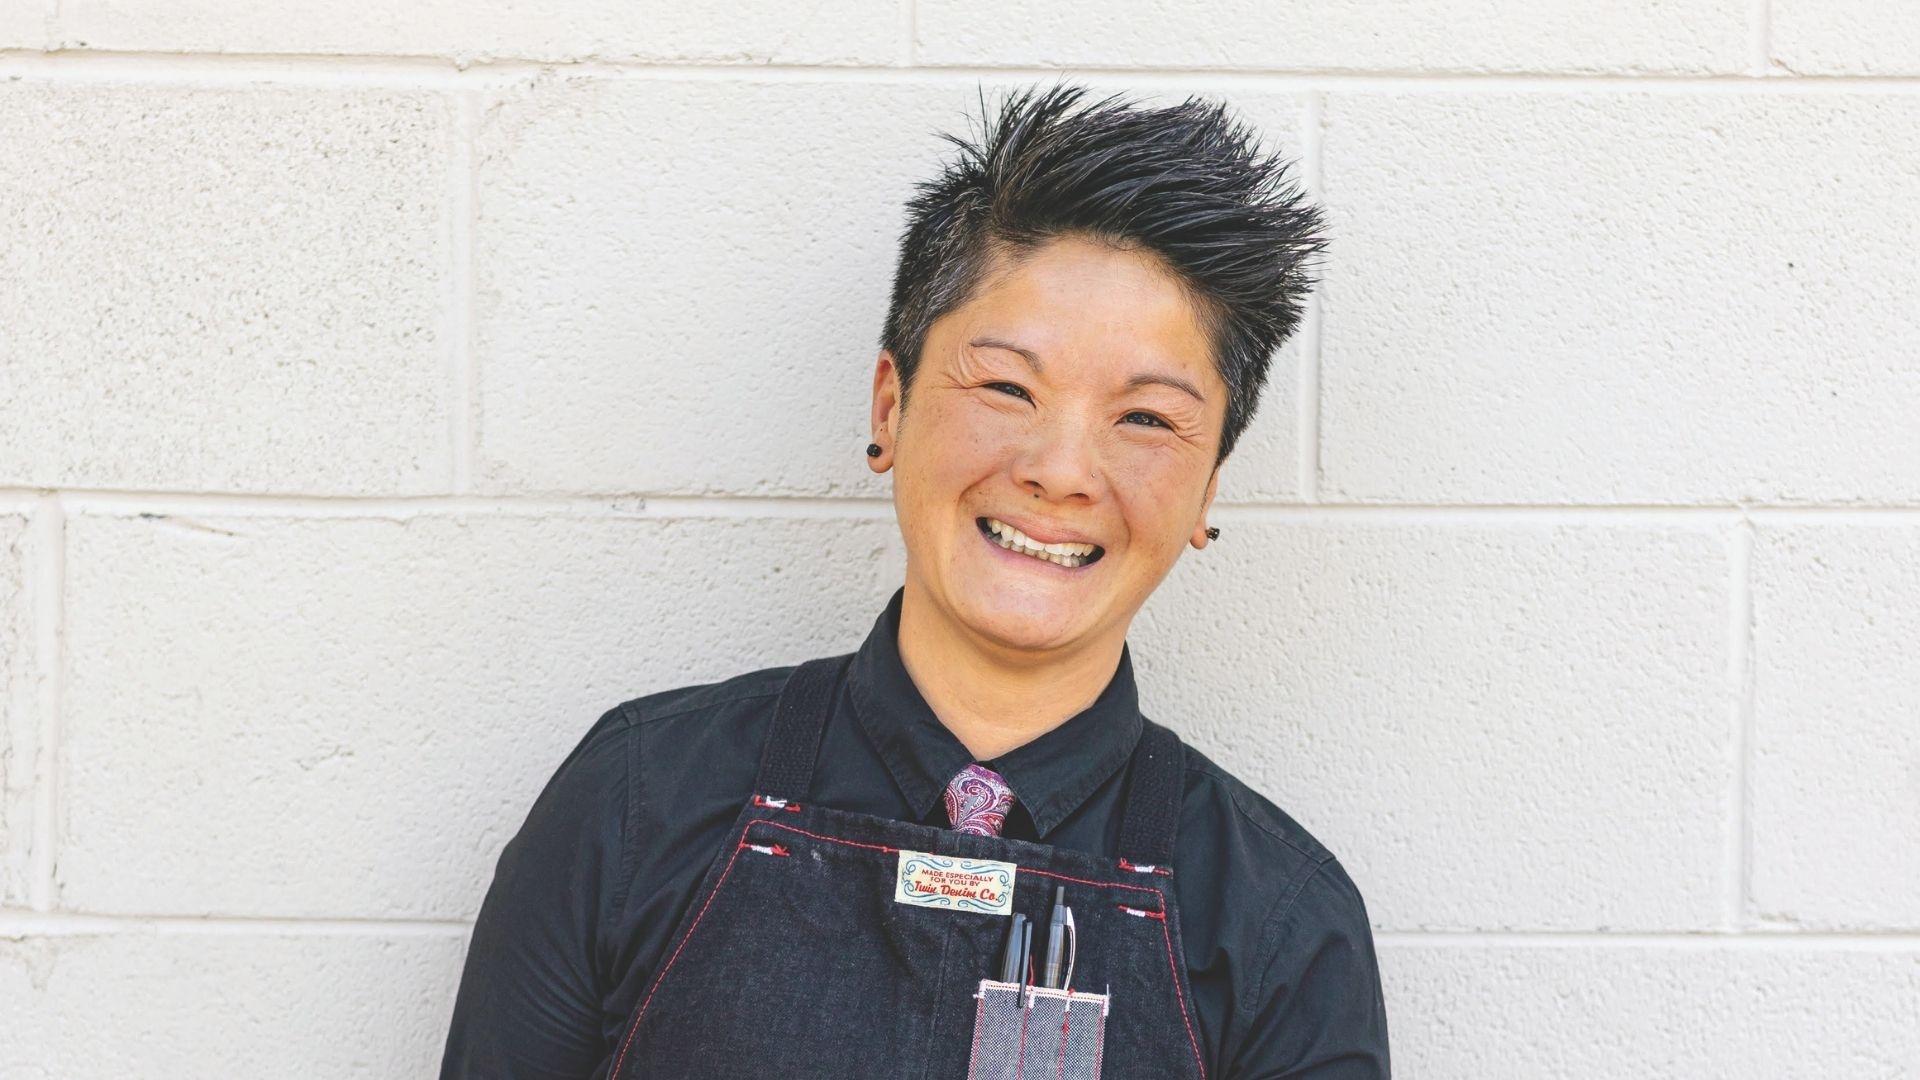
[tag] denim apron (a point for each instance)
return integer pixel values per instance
(795, 959)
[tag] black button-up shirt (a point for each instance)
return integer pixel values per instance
(586, 896)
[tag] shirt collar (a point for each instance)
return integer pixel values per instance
(1050, 775)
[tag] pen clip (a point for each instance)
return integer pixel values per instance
(1026, 965)
(1073, 953)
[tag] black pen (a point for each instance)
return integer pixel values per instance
(1026, 951)
(1056, 940)
(1013, 955)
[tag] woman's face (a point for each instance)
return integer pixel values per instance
(1095, 439)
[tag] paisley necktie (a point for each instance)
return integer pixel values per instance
(978, 800)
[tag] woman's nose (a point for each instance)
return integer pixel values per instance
(1060, 461)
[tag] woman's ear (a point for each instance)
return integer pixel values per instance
(1199, 537)
(885, 419)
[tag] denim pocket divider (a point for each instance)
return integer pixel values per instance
(1030, 1032)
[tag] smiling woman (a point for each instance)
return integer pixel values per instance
(758, 877)
(1074, 398)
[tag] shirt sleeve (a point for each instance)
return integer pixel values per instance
(1319, 1014)
(530, 994)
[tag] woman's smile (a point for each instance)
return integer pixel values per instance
(1012, 544)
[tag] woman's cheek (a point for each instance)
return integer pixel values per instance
(1142, 477)
(989, 437)
(1155, 504)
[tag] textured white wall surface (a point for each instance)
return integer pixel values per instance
(386, 390)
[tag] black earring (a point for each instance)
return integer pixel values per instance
(873, 449)
(1213, 532)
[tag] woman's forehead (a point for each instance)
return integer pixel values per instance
(1083, 304)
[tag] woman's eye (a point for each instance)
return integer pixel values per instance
(1014, 386)
(1152, 419)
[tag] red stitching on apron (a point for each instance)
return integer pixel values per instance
(658, 979)
(1066, 1017)
(823, 836)
(1198, 1061)
(1024, 869)
(1179, 997)
(1173, 969)
(1020, 1059)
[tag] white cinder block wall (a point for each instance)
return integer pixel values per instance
(387, 390)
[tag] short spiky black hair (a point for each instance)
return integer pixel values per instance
(1183, 182)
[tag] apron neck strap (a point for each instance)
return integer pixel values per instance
(1150, 809)
(786, 760)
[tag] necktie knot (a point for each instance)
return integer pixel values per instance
(978, 800)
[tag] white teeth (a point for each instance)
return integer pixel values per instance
(1008, 532)
(1015, 540)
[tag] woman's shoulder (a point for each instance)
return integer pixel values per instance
(694, 699)
(661, 741)
(1228, 803)
(691, 707)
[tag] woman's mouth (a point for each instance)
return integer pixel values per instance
(1070, 556)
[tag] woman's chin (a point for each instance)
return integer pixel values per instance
(1020, 616)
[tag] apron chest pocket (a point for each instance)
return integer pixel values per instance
(1025, 1033)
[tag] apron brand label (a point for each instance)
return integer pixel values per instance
(948, 881)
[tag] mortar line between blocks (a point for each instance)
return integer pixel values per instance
(441, 72)
(20, 711)
(1741, 664)
(1904, 941)
(1307, 408)
(20, 924)
(463, 364)
(49, 667)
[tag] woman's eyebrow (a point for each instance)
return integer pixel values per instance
(1142, 379)
(1174, 381)
(995, 343)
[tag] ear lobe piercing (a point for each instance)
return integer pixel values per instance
(873, 449)
(1213, 532)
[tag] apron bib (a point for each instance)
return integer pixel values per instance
(795, 959)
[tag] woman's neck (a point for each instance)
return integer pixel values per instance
(994, 699)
